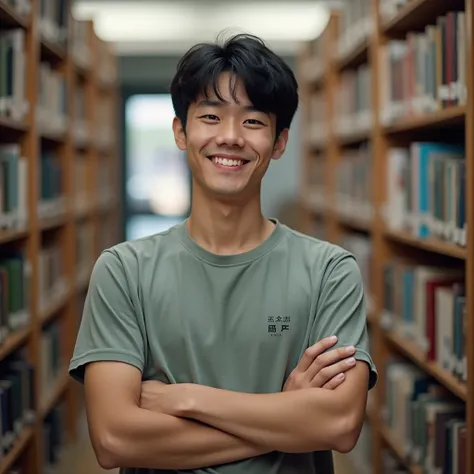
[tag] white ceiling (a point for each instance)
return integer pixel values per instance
(170, 27)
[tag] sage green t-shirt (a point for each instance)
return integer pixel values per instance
(239, 322)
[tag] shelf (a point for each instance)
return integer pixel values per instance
(52, 52)
(48, 223)
(354, 138)
(356, 56)
(54, 306)
(9, 459)
(416, 355)
(9, 125)
(354, 222)
(450, 117)
(13, 341)
(7, 236)
(9, 18)
(396, 448)
(416, 14)
(55, 393)
(430, 244)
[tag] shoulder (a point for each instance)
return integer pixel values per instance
(323, 257)
(132, 253)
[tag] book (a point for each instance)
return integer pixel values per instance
(425, 71)
(13, 99)
(354, 183)
(426, 191)
(13, 187)
(426, 305)
(17, 398)
(422, 417)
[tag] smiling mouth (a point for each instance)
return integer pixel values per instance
(230, 163)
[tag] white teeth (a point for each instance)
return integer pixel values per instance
(227, 162)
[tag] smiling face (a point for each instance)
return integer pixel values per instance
(229, 144)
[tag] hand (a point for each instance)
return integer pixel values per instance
(320, 369)
(168, 399)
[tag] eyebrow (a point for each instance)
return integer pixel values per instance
(219, 103)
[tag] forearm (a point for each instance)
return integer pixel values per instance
(144, 439)
(295, 421)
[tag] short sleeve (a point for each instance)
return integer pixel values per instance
(341, 310)
(109, 329)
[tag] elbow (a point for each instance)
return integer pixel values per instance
(107, 451)
(348, 434)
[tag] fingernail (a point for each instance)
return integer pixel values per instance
(350, 349)
(333, 338)
(351, 361)
(340, 377)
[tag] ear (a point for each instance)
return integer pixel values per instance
(179, 134)
(280, 145)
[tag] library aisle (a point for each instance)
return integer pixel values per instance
(388, 140)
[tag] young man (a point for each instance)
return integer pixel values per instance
(207, 348)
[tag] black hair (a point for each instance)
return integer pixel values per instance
(269, 82)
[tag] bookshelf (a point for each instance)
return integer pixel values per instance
(58, 161)
(387, 94)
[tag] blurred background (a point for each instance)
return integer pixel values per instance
(380, 161)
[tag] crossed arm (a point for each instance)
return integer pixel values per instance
(190, 426)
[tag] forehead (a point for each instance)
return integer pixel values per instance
(229, 89)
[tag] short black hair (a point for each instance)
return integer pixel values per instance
(269, 82)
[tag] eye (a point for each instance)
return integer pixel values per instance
(254, 122)
(209, 117)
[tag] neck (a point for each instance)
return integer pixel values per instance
(227, 227)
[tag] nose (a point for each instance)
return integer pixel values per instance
(230, 135)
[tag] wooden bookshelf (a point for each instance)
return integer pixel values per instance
(348, 195)
(56, 215)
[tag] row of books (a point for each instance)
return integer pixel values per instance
(52, 357)
(425, 420)
(13, 187)
(354, 183)
(54, 430)
(426, 191)
(15, 284)
(426, 305)
(388, 9)
(357, 24)
(426, 71)
(17, 399)
(53, 24)
(104, 118)
(81, 127)
(13, 98)
(317, 125)
(80, 43)
(51, 178)
(85, 246)
(51, 113)
(353, 101)
(52, 282)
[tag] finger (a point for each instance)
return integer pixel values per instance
(331, 371)
(334, 382)
(329, 358)
(314, 351)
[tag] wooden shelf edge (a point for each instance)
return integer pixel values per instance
(13, 125)
(395, 447)
(358, 54)
(431, 368)
(7, 236)
(54, 307)
(430, 244)
(13, 341)
(441, 117)
(11, 17)
(354, 222)
(55, 393)
(20, 444)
